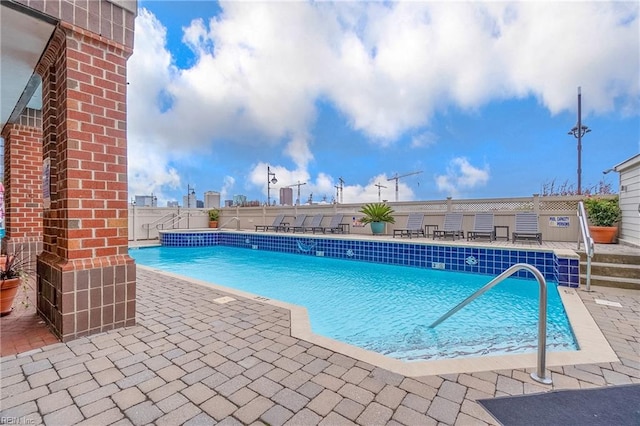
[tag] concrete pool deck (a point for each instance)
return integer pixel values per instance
(192, 358)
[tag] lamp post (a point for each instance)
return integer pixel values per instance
(190, 191)
(270, 181)
(578, 132)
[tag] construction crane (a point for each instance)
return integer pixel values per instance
(298, 185)
(397, 177)
(379, 186)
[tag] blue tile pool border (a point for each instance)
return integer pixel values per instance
(479, 260)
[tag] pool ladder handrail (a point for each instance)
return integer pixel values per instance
(542, 314)
(236, 218)
(586, 238)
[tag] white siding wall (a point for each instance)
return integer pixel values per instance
(629, 231)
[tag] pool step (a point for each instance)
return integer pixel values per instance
(612, 270)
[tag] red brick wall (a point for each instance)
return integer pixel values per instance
(23, 182)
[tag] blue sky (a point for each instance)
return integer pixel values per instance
(477, 96)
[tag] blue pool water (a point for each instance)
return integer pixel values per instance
(380, 307)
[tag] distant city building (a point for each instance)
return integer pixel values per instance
(189, 201)
(173, 204)
(286, 196)
(228, 203)
(146, 201)
(200, 204)
(239, 200)
(212, 200)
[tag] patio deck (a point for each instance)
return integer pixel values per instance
(192, 360)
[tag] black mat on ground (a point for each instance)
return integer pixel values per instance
(608, 406)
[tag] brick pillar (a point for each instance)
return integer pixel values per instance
(23, 184)
(86, 279)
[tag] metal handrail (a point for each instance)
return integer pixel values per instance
(164, 219)
(586, 238)
(237, 219)
(542, 314)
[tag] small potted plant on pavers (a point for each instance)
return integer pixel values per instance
(377, 214)
(14, 272)
(603, 214)
(214, 215)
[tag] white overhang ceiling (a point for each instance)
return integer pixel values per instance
(24, 35)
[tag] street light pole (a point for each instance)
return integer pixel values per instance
(190, 191)
(269, 182)
(578, 132)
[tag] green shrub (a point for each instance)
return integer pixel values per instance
(602, 211)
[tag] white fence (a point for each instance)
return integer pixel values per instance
(557, 215)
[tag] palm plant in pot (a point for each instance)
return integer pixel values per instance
(377, 214)
(14, 271)
(603, 214)
(214, 215)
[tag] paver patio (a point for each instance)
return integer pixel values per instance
(190, 360)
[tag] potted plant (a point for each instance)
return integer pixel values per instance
(377, 214)
(214, 215)
(603, 214)
(14, 271)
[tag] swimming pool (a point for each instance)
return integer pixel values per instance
(382, 308)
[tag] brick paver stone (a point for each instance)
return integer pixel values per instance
(172, 402)
(253, 410)
(108, 417)
(276, 415)
(290, 399)
(452, 391)
(97, 407)
(128, 398)
(324, 403)
(304, 418)
(66, 416)
(349, 409)
(218, 407)
(335, 419)
(375, 414)
(443, 410)
(143, 413)
(54, 402)
(198, 393)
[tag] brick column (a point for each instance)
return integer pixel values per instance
(23, 183)
(86, 280)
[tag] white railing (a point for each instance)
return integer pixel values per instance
(586, 239)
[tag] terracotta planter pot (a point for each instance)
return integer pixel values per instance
(213, 224)
(8, 291)
(603, 234)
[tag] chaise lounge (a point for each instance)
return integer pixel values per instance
(527, 227)
(482, 227)
(414, 226)
(452, 227)
(277, 225)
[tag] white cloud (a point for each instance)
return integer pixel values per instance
(461, 176)
(227, 187)
(388, 67)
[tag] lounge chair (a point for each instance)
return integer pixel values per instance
(527, 227)
(452, 227)
(298, 223)
(316, 221)
(482, 227)
(335, 226)
(414, 226)
(277, 225)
